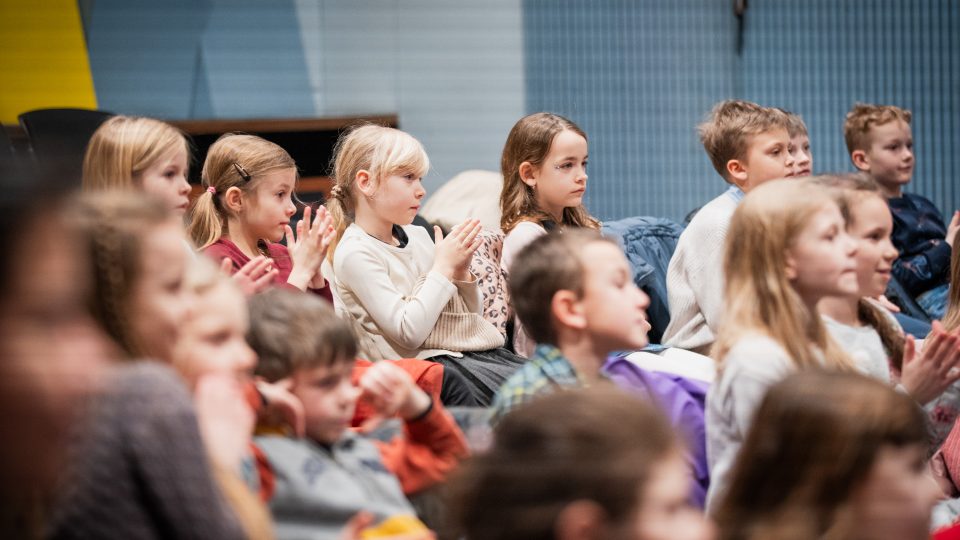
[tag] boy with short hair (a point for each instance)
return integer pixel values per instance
(880, 143)
(323, 480)
(799, 144)
(748, 145)
(575, 294)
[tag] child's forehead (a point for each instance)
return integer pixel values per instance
(892, 128)
(770, 136)
(602, 257)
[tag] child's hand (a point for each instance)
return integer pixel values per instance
(254, 277)
(928, 373)
(887, 304)
(391, 391)
(307, 248)
(953, 227)
(454, 253)
(280, 403)
(225, 419)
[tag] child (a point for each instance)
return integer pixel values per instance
(544, 167)
(880, 143)
(799, 144)
(831, 455)
(576, 296)
(748, 145)
(146, 438)
(406, 296)
(140, 153)
(786, 250)
(586, 463)
(151, 156)
(246, 209)
(866, 331)
(323, 480)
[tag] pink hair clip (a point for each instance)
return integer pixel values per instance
(212, 190)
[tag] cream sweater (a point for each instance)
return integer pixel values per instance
(695, 278)
(373, 285)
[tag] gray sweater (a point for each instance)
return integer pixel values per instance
(140, 469)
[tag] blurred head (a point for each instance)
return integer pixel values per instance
(299, 338)
(139, 262)
(799, 144)
(129, 152)
(248, 183)
(587, 463)
(831, 455)
(786, 248)
(53, 353)
(578, 281)
(213, 334)
(544, 167)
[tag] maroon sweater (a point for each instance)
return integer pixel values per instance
(224, 248)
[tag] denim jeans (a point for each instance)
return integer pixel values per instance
(934, 301)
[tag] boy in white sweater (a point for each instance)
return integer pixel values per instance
(748, 145)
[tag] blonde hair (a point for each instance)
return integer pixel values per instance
(760, 298)
(795, 123)
(863, 117)
(125, 146)
(729, 127)
(529, 141)
(114, 225)
(234, 160)
(379, 150)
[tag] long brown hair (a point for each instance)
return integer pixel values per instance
(529, 141)
(597, 444)
(759, 296)
(814, 440)
(114, 224)
(849, 190)
(951, 321)
(235, 160)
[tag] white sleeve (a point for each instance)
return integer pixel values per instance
(406, 320)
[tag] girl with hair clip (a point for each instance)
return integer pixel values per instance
(147, 155)
(831, 456)
(579, 464)
(869, 334)
(787, 249)
(245, 211)
(544, 167)
(172, 463)
(407, 297)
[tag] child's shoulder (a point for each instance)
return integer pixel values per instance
(748, 348)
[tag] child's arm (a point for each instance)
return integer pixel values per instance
(432, 444)
(407, 319)
(922, 264)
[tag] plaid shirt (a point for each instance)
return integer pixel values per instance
(918, 234)
(545, 371)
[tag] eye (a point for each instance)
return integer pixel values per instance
(219, 338)
(410, 176)
(585, 162)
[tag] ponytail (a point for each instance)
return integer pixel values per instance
(890, 335)
(206, 225)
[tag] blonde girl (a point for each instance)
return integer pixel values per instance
(786, 250)
(130, 152)
(246, 207)
(544, 167)
(148, 438)
(869, 334)
(831, 456)
(407, 296)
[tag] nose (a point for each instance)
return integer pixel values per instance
(890, 252)
(347, 393)
(850, 245)
(643, 301)
(420, 192)
(290, 209)
(184, 186)
(246, 359)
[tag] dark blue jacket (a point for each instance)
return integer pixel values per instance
(918, 234)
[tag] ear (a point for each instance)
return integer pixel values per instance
(737, 172)
(233, 199)
(860, 160)
(567, 309)
(364, 182)
(790, 266)
(528, 174)
(581, 520)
